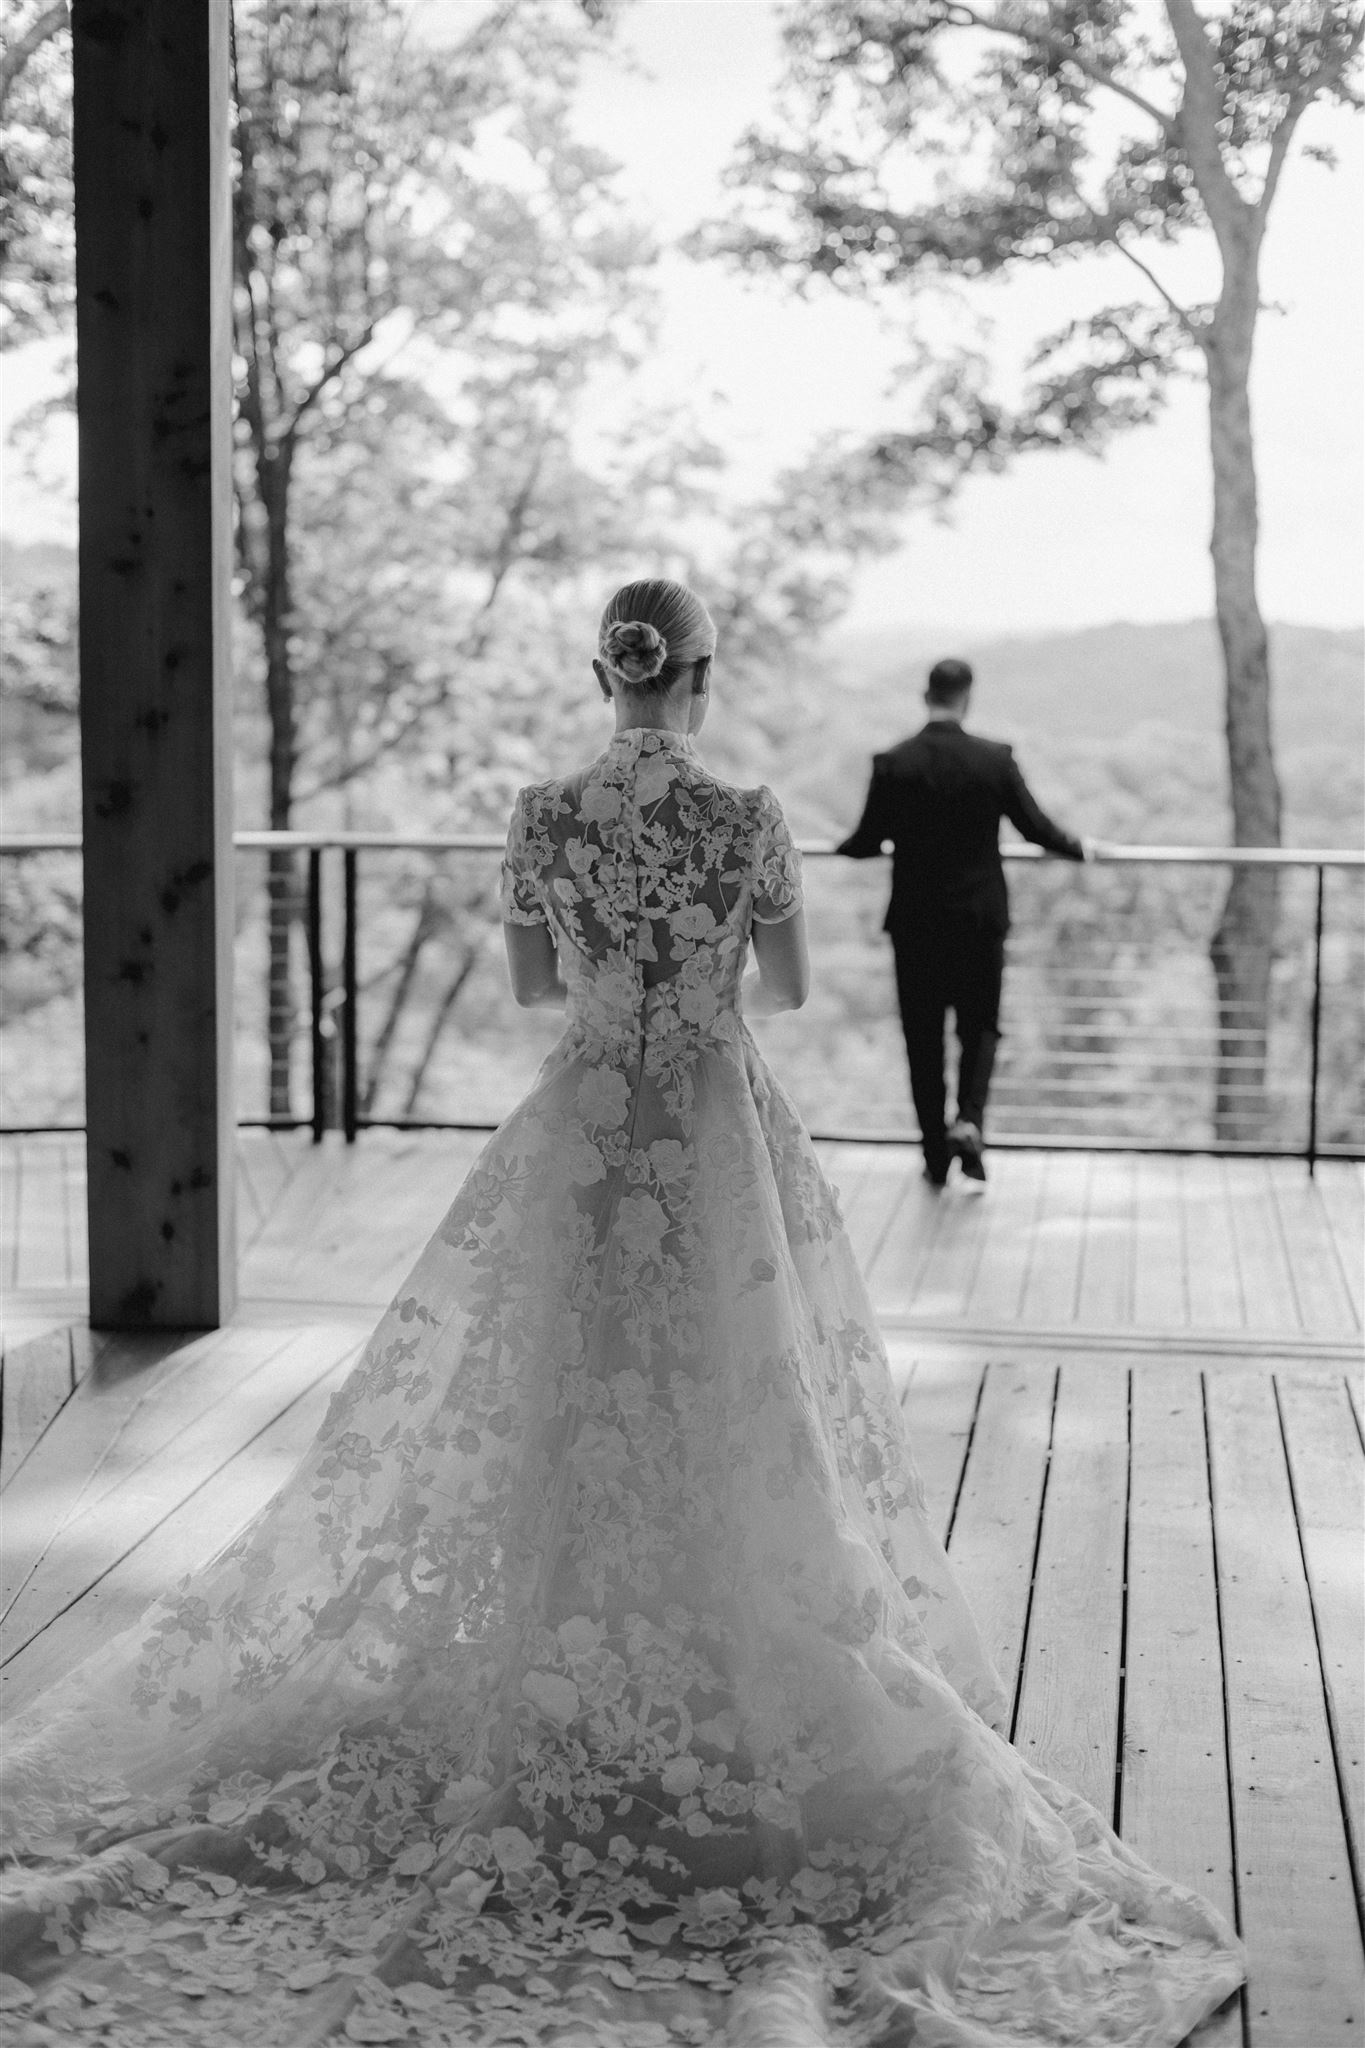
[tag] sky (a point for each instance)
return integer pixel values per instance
(1061, 541)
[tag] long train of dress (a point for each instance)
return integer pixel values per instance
(597, 1675)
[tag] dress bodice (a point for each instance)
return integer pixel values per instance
(648, 871)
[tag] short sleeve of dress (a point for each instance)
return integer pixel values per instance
(520, 896)
(777, 865)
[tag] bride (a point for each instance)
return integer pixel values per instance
(596, 1677)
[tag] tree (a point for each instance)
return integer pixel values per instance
(931, 140)
(37, 245)
(395, 203)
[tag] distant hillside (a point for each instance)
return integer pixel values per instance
(1103, 681)
(1120, 726)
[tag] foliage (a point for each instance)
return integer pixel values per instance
(37, 243)
(937, 141)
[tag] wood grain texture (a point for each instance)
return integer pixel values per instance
(37, 1379)
(154, 411)
(908, 1245)
(1214, 1274)
(1267, 1281)
(1050, 1291)
(11, 1196)
(1012, 1213)
(1341, 1190)
(1068, 1706)
(1174, 1807)
(108, 1527)
(1159, 1294)
(940, 1406)
(1320, 1289)
(1327, 1468)
(1298, 1912)
(207, 1518)
(1104, 1296)
(997, 1518)
(42, 1257)
(67, 1460)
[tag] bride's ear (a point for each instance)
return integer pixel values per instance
(701, 675)
(601, 676)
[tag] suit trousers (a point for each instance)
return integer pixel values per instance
(942, 967)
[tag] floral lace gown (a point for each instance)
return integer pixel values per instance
(596, 1676)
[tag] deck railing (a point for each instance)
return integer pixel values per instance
(386, 1002)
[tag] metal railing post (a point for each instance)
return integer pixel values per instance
(316, 992)
(350, 1077)
(1315, 1027)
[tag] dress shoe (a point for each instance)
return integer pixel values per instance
(965, 1143)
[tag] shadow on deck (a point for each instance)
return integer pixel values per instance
(1134, 1389)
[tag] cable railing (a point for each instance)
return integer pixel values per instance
(371, 992)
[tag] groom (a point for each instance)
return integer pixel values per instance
(939, 799)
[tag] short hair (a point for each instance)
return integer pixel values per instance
(650, 632)
(948, 680)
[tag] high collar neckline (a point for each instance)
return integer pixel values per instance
(650, 739)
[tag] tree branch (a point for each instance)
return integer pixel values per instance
(1181, 313)
(1058, 46)
(15, 59)
(1322, 80)
(329, 374)
(1201, 109)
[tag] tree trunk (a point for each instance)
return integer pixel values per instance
(1242, 949)
(282, 906)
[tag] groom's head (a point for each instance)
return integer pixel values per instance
(948, 688)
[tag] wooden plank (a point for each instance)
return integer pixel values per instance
(1174, 1804)
(67, 1460)
(1049, 1299)
(907, 1246)
(154, 405)
(1297, 1910)
(1213, 1271)
(1341, 1190)
(946, 1280)
(1267, 1282)
(1104, 1297)
(37, 1381)
(356, 1228)
(1012, 1213)
(940, 1400)
(209, 1385)
(206, 1520)
(78, 1252)
(251, 1211)
(41, 1257)
(105, 1528)
(1327, 1470)
(997, 1518)
(885, 1183)
(1325, 1305)
(11, 1200)
(1356, 1396)
(1159, 1297)
(268, 1160)
(1069, 1698)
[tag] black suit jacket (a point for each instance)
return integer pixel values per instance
(939, 799)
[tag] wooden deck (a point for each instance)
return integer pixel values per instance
(1134, 1387)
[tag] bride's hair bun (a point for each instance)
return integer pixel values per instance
(634, 650)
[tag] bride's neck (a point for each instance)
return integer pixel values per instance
(651, 718)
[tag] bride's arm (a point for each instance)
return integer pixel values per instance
(783, 980)
(533, 965)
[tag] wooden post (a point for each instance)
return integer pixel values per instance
(153, 329)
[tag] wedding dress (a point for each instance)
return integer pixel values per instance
(596, 1676)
